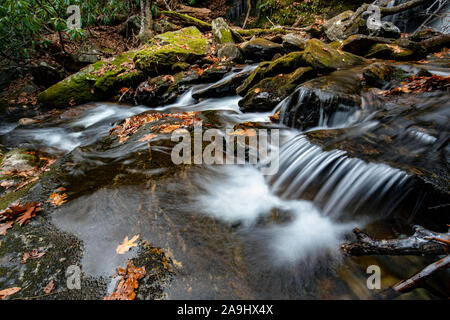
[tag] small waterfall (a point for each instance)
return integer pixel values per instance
(337, 184)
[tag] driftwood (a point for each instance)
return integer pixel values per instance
(422, 242)
(417, 280)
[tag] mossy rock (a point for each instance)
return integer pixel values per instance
(261, 49)
(360, 44)
(167, 49)
(379, 73)
(285, 64)
(265, 95)
(325, 59)
(401, 50)
(18, 159)
(96, 82)
(222, 32)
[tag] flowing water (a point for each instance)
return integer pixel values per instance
(233, 232)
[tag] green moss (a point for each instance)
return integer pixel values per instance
(257, 32)
(285, 64)
(326, 59)
(93, 83)
(11, 197)
(169, 48)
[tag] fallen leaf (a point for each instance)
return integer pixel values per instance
(5, 226)
(148, 137)
(126, 245)
(7, 292)
(129, 283)
(50, 287)
(58, 199)
(257, 90)
(35, 254)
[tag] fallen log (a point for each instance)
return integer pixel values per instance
(187, 20)
(436, 43)
(422, 242)
(203, 14)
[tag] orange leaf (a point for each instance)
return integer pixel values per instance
(148, 137)
(7, 292)
(127, 245)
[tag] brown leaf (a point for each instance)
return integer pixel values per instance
(57, 199)
(126, 245)
(35, 254)
(128, 284)
(148, 137)
(7, 292)
(50, 287)
(5, 226)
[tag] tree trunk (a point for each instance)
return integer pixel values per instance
(146, 32)
(249, 4)
(403, 7)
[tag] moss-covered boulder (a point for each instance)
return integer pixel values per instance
(96, 82)
(378, 74)
(294, 42)
(222, 32)
(261, 49)
(401, 50)
(167, 49)
(268, 93)
(285, 64)
(325, 59)
(360, 44)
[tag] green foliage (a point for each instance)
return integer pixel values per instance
(22, 22)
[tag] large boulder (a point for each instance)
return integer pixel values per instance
(338, 28)
(222, 32)
(285, 64)
(325, 59)
(360, 44)
(230, 51)
(321, 101)
(294, 42)
(260, 49)
(268, 93)
(96, 82)
(378, 74)
(167, 49)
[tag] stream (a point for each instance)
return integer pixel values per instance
(232, 232)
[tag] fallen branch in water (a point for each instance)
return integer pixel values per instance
(417, 280)
(422, 242)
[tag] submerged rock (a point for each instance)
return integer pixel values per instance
(325, 59)
(96, 82)
(167, 49)
(268, 93)
(320, 101)
(261, 49)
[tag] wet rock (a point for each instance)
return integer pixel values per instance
(384, 29)
(222, 32)
(378, 74)
(325, 59)
(164, 50)
(26, 121)
(294, 42)
(47, 75)
(18, 160)
(268, 93)
(96, 82)
(401, 50)
(425, 34)
(165, 89)
(285, 64)
(335, 28)
(230, 51)
(260, 49)
(215, 72)
(222, 89)
(360, 44)
(323, 98)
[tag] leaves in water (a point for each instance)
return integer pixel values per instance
(128, 284)
(35, 254)
(50, 287)
(127, 245)
(5, 226)
(58, 199)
